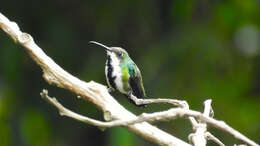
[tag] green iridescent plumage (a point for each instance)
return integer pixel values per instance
(131, 76)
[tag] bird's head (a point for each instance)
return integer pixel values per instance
(113, 52)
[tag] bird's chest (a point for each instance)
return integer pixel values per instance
(115, 75)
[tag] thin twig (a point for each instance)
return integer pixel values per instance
(178, 103)
(198, 137)
(174, 102)
(145, 117)
(209, 136)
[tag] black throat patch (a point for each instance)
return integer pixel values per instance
(110, 69)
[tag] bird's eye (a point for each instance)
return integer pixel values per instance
(120, 54)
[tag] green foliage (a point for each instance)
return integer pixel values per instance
(5, 134)
(119, 136)
(35, 129)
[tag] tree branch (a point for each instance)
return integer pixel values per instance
(157, 116)
(174, 102)
(98, 95)
(145, 117)
(209, 136)
(198, 138)
(91, 91)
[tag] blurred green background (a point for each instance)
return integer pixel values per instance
(185, 49)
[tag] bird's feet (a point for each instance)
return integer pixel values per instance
(110, 89)
(134, 100)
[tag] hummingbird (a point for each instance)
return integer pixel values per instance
(122, 74)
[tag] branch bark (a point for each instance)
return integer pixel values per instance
(98, 95)
(91, 91)
(145, 117)
(209, 136)
(200, 130)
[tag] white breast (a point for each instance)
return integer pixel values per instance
(117, 72)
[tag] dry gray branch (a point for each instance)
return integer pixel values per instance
(145, 117)
(91, 91)
(148, 117)
(174, 102)
(198, 137)
(98, 95)
(209, 136)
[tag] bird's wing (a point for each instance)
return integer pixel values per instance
(136, 82)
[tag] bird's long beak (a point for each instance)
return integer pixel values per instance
(106, 47)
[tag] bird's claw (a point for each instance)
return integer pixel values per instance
(110, 89)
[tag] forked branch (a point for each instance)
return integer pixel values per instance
(113, 111)
(91, 91)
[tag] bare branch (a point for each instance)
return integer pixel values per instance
(226, 128)
(66, 112)
(209, 136)
(198, 138)
(179, 103)
(98, 95)
(149, 117)
(174, 102)
(145, 117)
(207, 107)
(91, 91)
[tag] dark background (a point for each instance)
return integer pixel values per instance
(185, 49)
